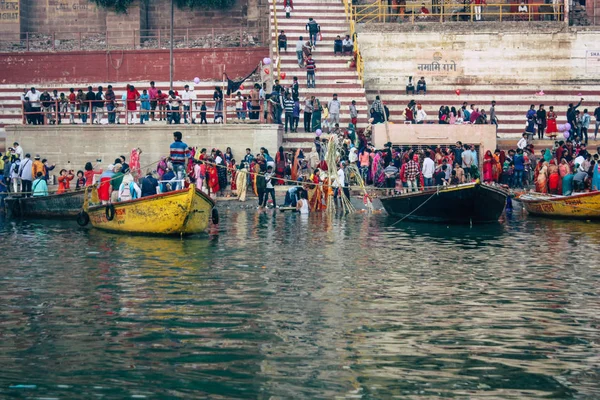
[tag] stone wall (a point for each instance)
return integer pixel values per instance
(479, 53)
(48, 16)
(128, 65)
(70, 147)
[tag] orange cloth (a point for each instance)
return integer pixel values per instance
(64, 183)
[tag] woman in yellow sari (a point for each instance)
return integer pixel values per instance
(541, 184)
(315, 193)
(255, 172)
(295, 166)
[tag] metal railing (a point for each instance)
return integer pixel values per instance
(464, 11)
(358, 60)
(90, 113)
(133, 39)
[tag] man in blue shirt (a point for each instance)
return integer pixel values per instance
(179, 155)
(519, 162)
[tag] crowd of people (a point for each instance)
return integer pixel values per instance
(101, 106)
(565, 168)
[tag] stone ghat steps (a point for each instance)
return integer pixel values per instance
(512, 103)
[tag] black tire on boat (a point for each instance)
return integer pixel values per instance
(110, 212)
(215, 216)
(83, 218)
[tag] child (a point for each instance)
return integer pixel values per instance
(239, 105)
(80, 184)
(337, 45)
(244, 108)
(203, 113)
(288, 11)
(145, 99)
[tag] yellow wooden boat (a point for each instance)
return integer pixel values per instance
(181, 212)
(581, 206)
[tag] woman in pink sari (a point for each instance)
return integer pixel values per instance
(134, 163)
(488, 167)
(374, 165)
(563, 170)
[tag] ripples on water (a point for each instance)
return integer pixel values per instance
(286, 306)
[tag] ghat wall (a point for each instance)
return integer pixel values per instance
(479, 53)
(71, 147)
(128, 65)
(46, 16)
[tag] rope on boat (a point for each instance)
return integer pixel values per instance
(437, 192)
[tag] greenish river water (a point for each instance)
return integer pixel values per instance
(286, 306)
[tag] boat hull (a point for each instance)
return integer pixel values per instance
(52, 206)
(182, 212)
(463, 204)
(580, 206)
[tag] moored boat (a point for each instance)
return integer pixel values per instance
(473, 203)
(52, 206)
(181, 212)
(581, 205)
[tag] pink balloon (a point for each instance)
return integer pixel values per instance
(561, 128)
(196, 80)
(566, 134)
(319, 132)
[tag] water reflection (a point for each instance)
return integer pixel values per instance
(280, 305)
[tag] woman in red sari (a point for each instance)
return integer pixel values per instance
(213, 178)
(233, 172)
(132, 97)
(553, 177)
(564, 169)
(280, 164)
(488, 167)
(551, 129)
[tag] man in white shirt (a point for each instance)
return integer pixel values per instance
(334, 110)
(36, 107)
(299, 53)
(467, 161)
(18, 150)
(428, 170)
(340, 185)
(186, 96)
(522, 142)
(421, 116)
(580, 160)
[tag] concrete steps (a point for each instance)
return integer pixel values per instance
(512, 102)
(333, 73)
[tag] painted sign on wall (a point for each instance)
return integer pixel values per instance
(9, 11)
(438, 63)
(592, 61)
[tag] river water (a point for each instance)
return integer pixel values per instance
(281, 306)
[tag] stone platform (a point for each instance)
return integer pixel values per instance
(71, 147)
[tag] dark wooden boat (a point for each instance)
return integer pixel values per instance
(52, 206)
(469, 203)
